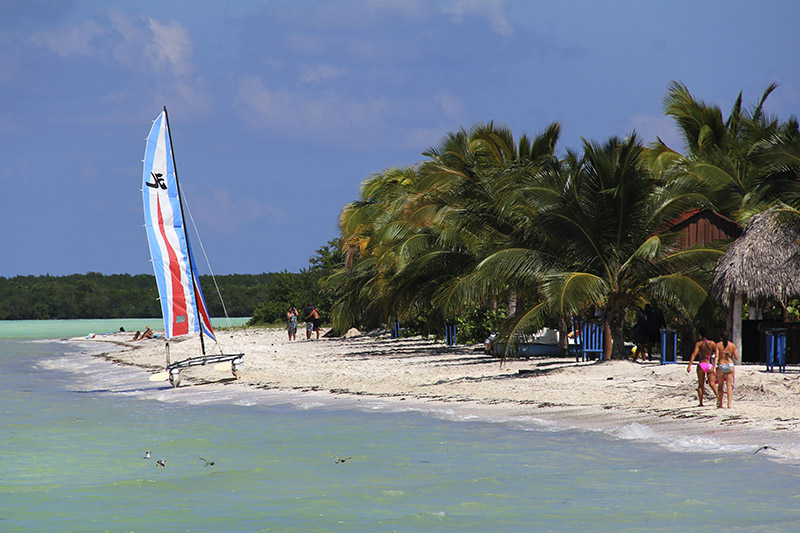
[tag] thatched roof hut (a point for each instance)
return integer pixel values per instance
(764, 261)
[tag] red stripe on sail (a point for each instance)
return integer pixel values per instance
(178, 296)
(202, 311)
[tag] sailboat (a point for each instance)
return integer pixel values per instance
(182, 303)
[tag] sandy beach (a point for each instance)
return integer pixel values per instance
(609, 396)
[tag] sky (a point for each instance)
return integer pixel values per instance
(280, 109)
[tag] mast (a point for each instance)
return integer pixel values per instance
(185, 230)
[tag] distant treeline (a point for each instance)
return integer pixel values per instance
(96, 295)
(262, 296)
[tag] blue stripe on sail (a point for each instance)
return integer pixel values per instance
(173, 278)
(195, 317)
(151, 225)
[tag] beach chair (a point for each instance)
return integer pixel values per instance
(588, 339)
(395, 329)
(776, 348)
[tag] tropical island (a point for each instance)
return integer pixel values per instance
(504, 236)
(495, 235)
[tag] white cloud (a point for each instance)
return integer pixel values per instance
(138, 45)
(171, 46)
(452, 106)
(326, 116)
(123, 38)
(493, 10)
(316, 73)
(254, 96)
(135, 43)
(75, 40)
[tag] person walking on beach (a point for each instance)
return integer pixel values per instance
(726, 355)
(317, 322)
(311, 315)
(291, 322)
(704, 351)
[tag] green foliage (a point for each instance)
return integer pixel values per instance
(793, 310)
(265, 297)
(475, 324)
(96, 295)
(746, 162)
(282, 290)
(486, 219)
(288, 288)
(89, 295)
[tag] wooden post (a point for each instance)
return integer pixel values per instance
(736, 322)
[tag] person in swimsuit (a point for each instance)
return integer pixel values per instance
(291, 322)
(311, 314)
(726, 355)
(704, 351)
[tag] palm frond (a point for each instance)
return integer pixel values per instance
(570, 293)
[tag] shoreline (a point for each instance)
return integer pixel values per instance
(628, 400)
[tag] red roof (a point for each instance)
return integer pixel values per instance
(711, 214)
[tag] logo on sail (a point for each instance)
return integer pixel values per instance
(158, 181)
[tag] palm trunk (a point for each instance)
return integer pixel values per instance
(618, 342)
(608, 343)
(736, 321)
(614, 340)
(563, 337)
(512, 304)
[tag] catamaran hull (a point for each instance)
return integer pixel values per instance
(174, 369)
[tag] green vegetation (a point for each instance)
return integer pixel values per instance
(287, 288)
(96, 295)
(507, 234)
(93, 295)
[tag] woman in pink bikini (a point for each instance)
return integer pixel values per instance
(704, 350)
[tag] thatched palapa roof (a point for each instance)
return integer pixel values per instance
(764, 261)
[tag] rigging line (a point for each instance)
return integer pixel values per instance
(208, 263)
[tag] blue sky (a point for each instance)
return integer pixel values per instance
(280, 109)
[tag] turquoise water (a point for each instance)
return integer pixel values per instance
(75, 429)
(57, 329)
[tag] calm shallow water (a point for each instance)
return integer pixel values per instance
(75, 429)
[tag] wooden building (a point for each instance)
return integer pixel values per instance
(702, 226)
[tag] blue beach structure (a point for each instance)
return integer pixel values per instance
(776, 348)
(588, 339)
(669, 346)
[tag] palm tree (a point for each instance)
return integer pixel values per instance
(734, 158)
(602, 218)
(358, 287)
(417, 233)
(479, 177)
(486, 218)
